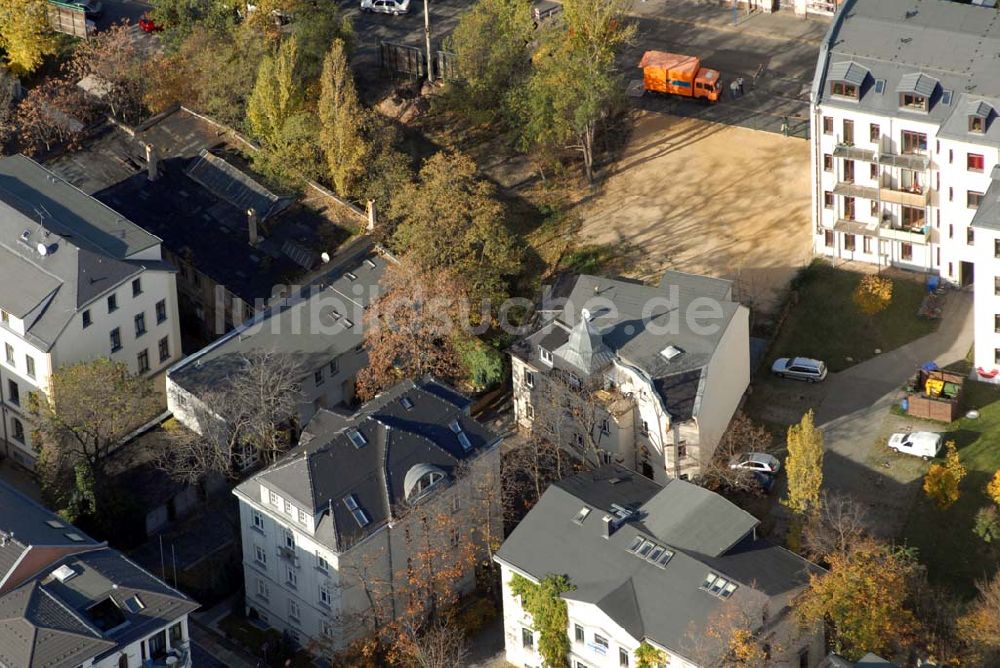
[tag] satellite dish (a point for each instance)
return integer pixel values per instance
(42, 249)
(325, 257)
(586, 314)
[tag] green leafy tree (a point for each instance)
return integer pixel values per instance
(179, 18)
(451, 220)
(276, 95)
(491, 47)
(548, 612)
(987, 524)
(292, 156)
(88, 411)
(341, 122)
(647, 656)
(387, 169)
(25, 36)
(575, 85)
(316, 27)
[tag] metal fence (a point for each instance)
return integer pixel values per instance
(69, 19)
(402, 60)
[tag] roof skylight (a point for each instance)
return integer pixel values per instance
(716, 585)
(656, 554)
(357, 438)
(360, 516)
(582, 515)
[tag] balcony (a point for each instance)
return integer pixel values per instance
(853, 190)
(853, 153)
(914, 161)
(909, 234)
(288, 554)
(918, 197)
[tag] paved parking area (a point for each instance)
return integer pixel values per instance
(122, 10)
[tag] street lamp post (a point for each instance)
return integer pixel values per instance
(427, 38)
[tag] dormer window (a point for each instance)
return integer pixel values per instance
(979, 116)
(420, 479)
(844, 89)
(913, 101)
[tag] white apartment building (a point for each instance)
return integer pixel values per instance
(669, 363)
(654, 565)
(78, 282)
(334, 532)
(68, 601)
(905, 139)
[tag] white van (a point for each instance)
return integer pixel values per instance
(926, 444)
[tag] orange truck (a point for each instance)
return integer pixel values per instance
(664, 72)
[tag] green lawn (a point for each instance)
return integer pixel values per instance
(826, 324)
(954, 555)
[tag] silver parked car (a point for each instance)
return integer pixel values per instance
(799, 368)
(758, 462)
(394, 7)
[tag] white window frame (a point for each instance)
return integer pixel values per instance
(259, 555)
(257, 519)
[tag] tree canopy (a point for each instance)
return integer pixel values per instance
(342, 120)
(25, 35)
(450, 220)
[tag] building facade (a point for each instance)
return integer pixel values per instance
(652, 565)
(81, 282)
(319, 330)
(372, 516)
(67, 601)
(647, 376)
(905, 140)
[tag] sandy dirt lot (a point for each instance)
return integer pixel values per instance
(707, 198)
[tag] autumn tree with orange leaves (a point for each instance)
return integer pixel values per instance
(864, 599)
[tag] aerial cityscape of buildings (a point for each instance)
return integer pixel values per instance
(565, 333)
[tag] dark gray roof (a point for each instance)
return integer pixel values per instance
(232, 185)
(979, 108)
(328, 466)
(849, 71)
(44, 622)
(988, 214)
(89, 249)
(634, 324)
(661, 604)
(314, 326)
(205, 227)
(944, 50)
(867, 661)
(26, 525)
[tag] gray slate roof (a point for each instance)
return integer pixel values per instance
(90, 248)
(326, 466)
(45, 623)
(633, 323)
(650, 602)
(316, 325)
(988, 213)
(26, 525)
(930, 47)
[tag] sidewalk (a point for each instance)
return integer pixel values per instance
(711, 15)
(222, 650)
(864, 385)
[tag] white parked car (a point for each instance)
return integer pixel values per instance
(760, 462)
(926, 444)
(394, 7)
(800, 368)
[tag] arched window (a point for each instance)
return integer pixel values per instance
(421, 478)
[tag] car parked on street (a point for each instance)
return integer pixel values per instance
(926, 444)
(394, 7)
(799, 368)
(92, 9)
(759, 462)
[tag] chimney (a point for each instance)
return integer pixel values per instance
(152, 163)
(252, 224)
(371, 215)
(609, 526)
